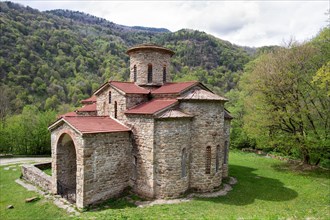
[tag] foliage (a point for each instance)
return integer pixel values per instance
(238, 137)
(286, 100)
(27, 133)
(60, 57)
(266, 189)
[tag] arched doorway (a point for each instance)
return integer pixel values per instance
(66, 170)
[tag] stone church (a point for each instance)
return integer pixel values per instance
(157, 138)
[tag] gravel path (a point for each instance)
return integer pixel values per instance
(13, 160)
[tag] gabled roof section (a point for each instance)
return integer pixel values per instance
(129, 87)
(88, 108)
(200, 94)
(152, 107)
(174, 113)
(69, 114)
(174, 88)
(90, 100)
(91, 124)
(125, 87)
(100, 89)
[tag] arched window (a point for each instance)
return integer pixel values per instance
(225, 159)
(134, 73)
(217, 159)
(109, 97)
(183, 163)
(149, 73)
(208, 160)
(115, 107)
(164, 74)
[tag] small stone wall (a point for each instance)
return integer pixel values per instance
(35, 175)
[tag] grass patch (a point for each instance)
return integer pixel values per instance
(48, 171)
(266, 189)
(14, 194)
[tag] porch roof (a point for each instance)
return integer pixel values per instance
(91, 124)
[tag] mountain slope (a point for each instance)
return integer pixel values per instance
(51, 58)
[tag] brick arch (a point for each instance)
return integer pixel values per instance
(66, 165)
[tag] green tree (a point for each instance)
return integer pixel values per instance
(284, 108)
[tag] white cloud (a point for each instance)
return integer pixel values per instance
(251, 23)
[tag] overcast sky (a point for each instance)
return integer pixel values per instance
(246, 23)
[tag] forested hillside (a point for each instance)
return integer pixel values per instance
(49, 61)
(54, 59)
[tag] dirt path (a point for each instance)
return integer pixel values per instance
(13, 160)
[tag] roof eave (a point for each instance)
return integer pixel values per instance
(127, 93)
(98, 132)
(166, 108)
(55, 124)
(204, 100)
(154, 113)
(101, 88)
(62, 120)
(189, 87)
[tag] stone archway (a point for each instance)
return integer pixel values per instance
(66, 170)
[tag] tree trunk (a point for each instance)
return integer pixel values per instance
(306, 159)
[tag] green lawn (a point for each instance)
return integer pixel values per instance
(48, 171)
(266, 189)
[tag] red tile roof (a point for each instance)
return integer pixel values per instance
(90, 124)
(129, 87)
(88, 108)
(152, 106)
(91, 99)
(69, 114)
(174, 88)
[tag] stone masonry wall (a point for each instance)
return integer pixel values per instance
(102, 102)
(120, 98)
(171, 137)
(207, 130)
(142, 58)
(59, 157)
(124, 102)
(33, 174)
(107, 162)
(135, 99)
(143, 140)
(227, 140)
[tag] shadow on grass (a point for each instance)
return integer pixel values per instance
(304, 170)
(119, 203)
(251, 187)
